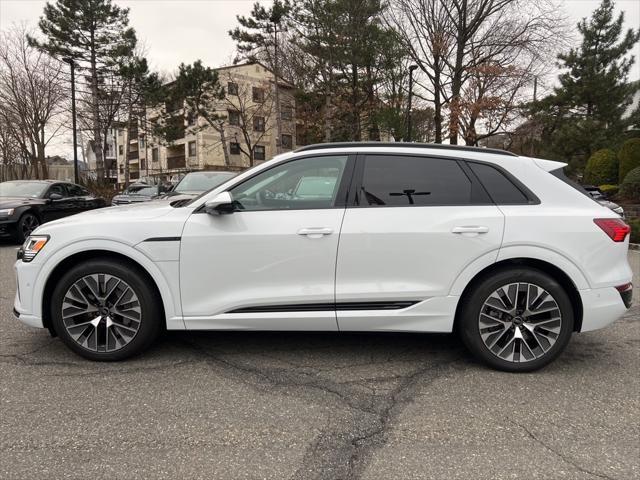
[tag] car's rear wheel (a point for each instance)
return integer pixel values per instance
(27, 223)
(105, 310)
(517, 320)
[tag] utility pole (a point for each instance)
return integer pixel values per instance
(73, 118)
(411, 69)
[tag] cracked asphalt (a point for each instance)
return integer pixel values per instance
(315, 406)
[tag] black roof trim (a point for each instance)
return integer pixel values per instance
(464, 148)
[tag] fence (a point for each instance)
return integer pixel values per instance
(25, 172)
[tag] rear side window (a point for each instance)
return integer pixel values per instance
(400, 181)
(500, 188)
(559, 173)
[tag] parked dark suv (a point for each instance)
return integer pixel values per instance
(25, 204)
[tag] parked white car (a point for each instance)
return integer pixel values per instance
(342, 237)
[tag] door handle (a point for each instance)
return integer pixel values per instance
(475, 229)
(315, 232)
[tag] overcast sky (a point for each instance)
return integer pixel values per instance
(176, 31)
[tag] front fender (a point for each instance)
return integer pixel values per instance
(160, 273)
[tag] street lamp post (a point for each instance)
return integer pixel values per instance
(73, 117)
(411, 69)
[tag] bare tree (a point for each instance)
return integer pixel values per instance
(425, 30)
(254, 109)
(465, 47)
(32, 95)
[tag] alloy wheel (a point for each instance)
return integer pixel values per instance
(101, 312)
(29, 224)
(520, 322)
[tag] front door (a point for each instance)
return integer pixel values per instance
(416, 224)
(58, 207)
(271, 263)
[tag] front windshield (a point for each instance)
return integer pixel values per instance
(23, 189)
(144, 191)
(202, 181)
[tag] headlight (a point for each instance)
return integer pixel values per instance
(6, 212)
(32, 246)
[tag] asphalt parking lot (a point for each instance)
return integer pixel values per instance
(315, 406)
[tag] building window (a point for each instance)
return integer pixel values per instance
(141, 143)
(154, 155)
(143, 164)
(287, 142)
(258, 94)
(192, 149)
(259, 152)
(120, 133)
(258, 124)
(286, 113)
(232, 88)
(120, 149)
(234, 117)
(234, 148)
(191, 119)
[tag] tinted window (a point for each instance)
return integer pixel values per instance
(397, 180)
(57, 188)
(305, 183)
(75, 190)
(500, 188)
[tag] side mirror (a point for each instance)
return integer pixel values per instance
(221, 204)
(55, 196)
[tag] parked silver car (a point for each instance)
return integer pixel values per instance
(599, 197)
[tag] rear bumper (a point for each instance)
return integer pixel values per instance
(602, 307)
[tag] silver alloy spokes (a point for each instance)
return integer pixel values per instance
(520, 322)
(101, 312)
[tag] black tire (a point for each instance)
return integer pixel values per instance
(474, 303)
(25, 225)
(149, 323)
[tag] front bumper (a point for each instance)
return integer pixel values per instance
(7, 227)
(23, 305)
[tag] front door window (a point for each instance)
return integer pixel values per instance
(302, 184)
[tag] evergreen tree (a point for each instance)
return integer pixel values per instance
(95, 34)
(196, 92)
(594, 91)
(347, 51)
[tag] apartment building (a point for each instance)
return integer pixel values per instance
(247, 127)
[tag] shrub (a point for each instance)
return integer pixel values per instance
(635, 230)
(602, 167)
(609, 191)
(99, 189)
(628, 157)
(630, 188)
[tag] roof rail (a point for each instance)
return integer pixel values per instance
(464, 148)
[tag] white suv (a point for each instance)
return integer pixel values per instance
(342, 237)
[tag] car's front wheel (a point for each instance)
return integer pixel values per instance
(105, 310)
(517, 319)
(27, 223)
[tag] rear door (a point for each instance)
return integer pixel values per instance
(416, 222)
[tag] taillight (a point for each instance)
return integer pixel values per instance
(615, 228)
(625, 288)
